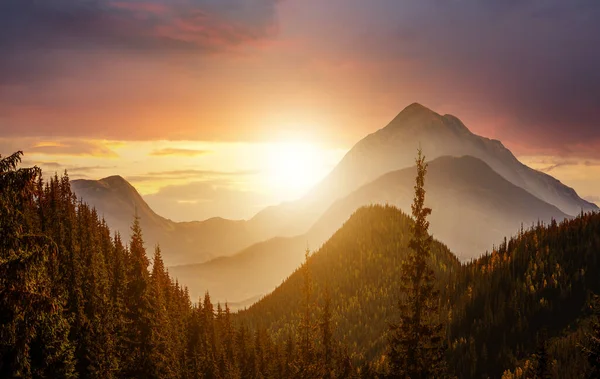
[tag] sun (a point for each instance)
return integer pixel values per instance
(295, 167)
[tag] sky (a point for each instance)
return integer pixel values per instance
(207, 106)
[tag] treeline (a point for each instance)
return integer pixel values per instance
(76, 301)
(533, 289)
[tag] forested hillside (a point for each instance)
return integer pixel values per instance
(76, 301)
(360, 267)
(533, 288)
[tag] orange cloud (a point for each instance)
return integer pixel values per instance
(72, 148)
(180, 152)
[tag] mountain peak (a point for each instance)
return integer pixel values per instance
(416, 108)
(114, 179)
(416, 114)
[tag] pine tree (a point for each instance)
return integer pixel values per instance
(118, 287)
(228, 336)
(415, 345)
(33, 331)
(209, 364)
(306, 351)
(138, 313)
(161, 350)
(289, 353)
(326, 336)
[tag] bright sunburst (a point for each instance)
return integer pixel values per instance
(294, 167)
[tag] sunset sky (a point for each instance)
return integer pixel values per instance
(221, 107)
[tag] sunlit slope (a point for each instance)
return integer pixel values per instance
(361, 266)
(473, 208)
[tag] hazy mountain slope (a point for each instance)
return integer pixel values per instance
(253, 272)
(389, 149)
(181, 242)
(473, 206)
(394, 147)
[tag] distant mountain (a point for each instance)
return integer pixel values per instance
(389, 149)
(394, 147)
(182, 242)
(249, 274)
(473, 207)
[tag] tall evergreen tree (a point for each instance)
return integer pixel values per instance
(118, 288)
(161, 350)
(138, 312)
(415, 346)
(306, 350)
(326, 327)
(33, 331)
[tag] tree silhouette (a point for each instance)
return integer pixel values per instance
(416, 348)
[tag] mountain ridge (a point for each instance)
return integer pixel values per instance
(389, 149)
(437, 136)
(119, 202)
(463, 185)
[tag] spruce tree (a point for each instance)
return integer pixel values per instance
(138, 312)
(306, 350)
(33, 331)
(161, 350)
(415, 345)
(118, 288)
(326, 327)
(209, 364)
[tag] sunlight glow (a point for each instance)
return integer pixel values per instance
(293, 168)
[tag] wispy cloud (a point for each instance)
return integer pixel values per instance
(204, 199)
(181, 152)
(72, 148)
(556, 163)
(190, 174)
